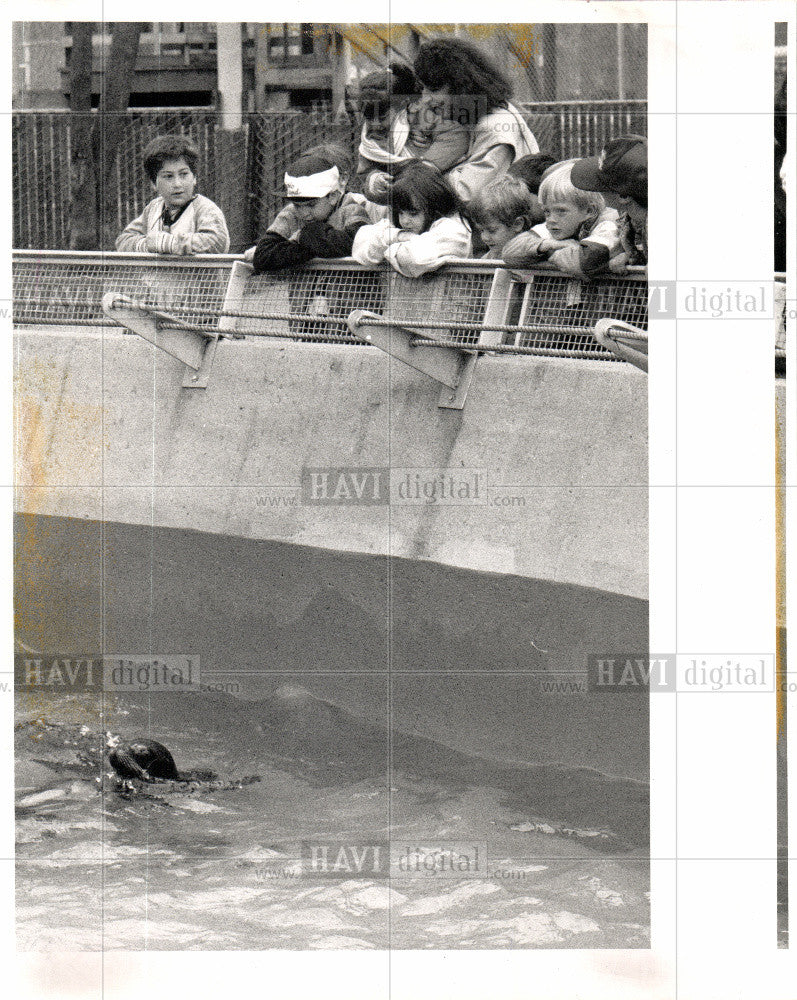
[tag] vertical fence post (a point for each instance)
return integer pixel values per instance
(231, 158)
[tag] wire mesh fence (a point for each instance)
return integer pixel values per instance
(581, 128)
(545, 311)
(42, 189)
(66, 289)
(320, 298)
(241, 171)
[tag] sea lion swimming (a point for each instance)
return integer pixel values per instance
(149, 761)
(144, 759)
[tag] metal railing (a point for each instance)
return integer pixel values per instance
(63, 288)
(542, 311)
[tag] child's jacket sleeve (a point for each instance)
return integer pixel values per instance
(446, 238)
(208, 231)
(315, 239)
(591, 255)
(523, 250)
(371, 242)
(274, 252)
(569, 259)
(133, 238)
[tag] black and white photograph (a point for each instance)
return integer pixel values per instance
(396, 519)
(330, 556)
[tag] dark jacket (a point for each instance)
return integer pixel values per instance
(333, 238)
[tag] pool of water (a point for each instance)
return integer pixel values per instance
(378, 703)
(226, 864)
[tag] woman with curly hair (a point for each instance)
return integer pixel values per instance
(391, 136)
(462, 85)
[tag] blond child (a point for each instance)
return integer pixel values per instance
(579, 235)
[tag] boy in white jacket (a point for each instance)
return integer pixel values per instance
(579, 235)
(178, 220)
(424, 230)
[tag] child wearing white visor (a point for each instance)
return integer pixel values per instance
(325, 214)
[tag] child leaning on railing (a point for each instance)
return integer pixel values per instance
(177, 220)
(425, 228)
(320, 219)
(579, 235)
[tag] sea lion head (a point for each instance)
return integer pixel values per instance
(144, 759)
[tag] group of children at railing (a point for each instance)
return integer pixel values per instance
(446, 168)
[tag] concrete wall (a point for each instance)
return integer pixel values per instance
(106, 432)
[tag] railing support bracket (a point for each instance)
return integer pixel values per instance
(627, 342)
(195, 348)
(450, 366)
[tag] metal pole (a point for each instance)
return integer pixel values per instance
(262, 34)
(229, 56)
(340, 73)
(230, 142)
(621, 61)
(549, 62)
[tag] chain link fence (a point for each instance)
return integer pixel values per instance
(241, 171)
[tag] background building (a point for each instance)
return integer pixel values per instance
(308, 65)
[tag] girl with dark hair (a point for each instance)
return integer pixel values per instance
(461, 84)
(425, 228)
(393, 133)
